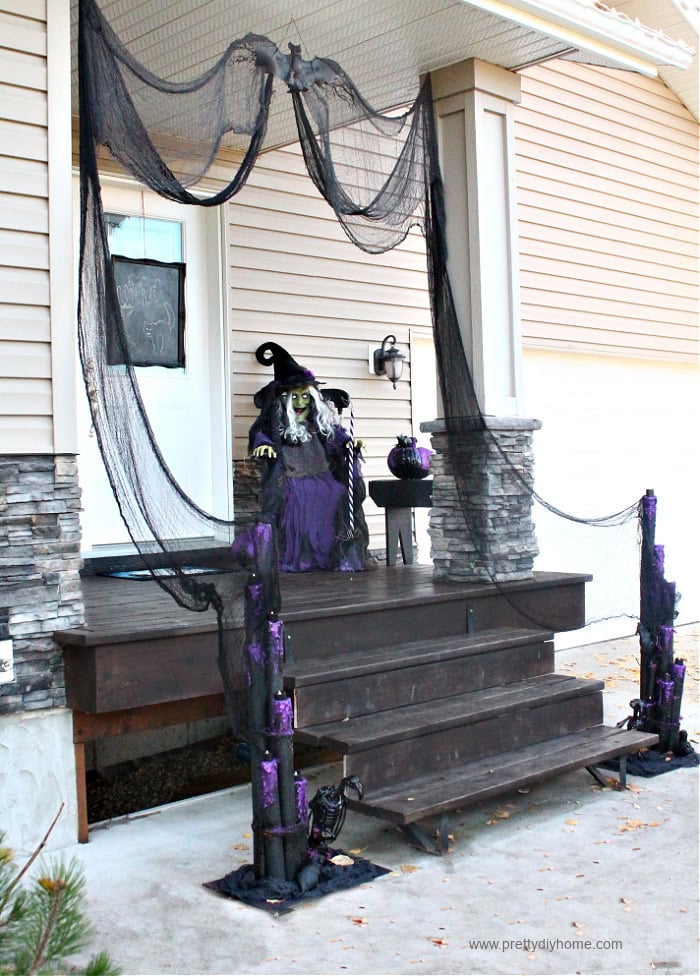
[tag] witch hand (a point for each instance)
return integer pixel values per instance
(265, 450)
(358, 445)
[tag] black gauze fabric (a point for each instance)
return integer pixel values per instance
(379, 172)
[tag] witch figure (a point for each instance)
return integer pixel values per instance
(312, 487)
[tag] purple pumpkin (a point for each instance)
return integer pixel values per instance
(407, 460)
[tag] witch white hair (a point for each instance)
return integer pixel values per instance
(323, 415)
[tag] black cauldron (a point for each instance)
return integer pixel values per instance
(408, 461)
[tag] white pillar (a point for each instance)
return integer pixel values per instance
(474, 112)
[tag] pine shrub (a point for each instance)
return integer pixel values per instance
(42, 920)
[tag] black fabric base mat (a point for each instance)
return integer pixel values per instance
(653, 763)
(281, 897)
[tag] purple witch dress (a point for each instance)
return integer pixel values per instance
(309, 504)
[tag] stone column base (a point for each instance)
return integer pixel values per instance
(246, 493)
(497, 540)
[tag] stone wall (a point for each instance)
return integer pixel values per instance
(497, 539)
(246, 493)
(39, 574)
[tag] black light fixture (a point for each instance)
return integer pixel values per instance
(389, 362)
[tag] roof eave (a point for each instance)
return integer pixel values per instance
(589, 25)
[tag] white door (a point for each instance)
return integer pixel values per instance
(187, 406)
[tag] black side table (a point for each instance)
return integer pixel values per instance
(397, 498)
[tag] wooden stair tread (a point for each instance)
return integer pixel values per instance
(393, 725)
(333, 668)
(440, 792)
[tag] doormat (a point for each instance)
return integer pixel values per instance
(146, 574)
(281, 897)
(653, 763)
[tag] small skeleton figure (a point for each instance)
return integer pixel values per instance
(328, 809)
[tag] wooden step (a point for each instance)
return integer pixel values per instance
(343, 686)
(438, 793)
(389, 746)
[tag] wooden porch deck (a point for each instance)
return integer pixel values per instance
(142, 662)
(120, 609)
(156, 651)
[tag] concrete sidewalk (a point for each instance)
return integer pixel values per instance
(563, 878)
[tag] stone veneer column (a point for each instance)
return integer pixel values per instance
(39, 573)
(246, 492)
(498, 543)
(39, 593)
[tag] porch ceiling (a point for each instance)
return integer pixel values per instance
(384, 46)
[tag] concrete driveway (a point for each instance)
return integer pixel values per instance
(563, 878)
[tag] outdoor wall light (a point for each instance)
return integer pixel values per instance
(389, 361)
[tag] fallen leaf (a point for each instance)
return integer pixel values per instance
(437, 941)
(247, 836)
(573, 823)
(631, 825)
(357, 920)
(357, 850)
(342, 860)
(409, 868)
(241, 847)
(524, 789)
(684, 910)
(499, 815)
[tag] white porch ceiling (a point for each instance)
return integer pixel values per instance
(383, 44)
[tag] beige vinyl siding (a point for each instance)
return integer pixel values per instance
(25, 332)
(295, 278)
(607, 175)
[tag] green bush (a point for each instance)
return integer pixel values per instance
(42, 920)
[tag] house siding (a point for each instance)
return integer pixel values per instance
(39, 491)
(26, 408)
(295, 278)
(607, 182)
(607, 185)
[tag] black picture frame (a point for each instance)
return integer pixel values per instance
(151, 297)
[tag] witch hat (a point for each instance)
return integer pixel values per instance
(288, 373)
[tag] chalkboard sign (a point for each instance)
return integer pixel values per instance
(151, 297)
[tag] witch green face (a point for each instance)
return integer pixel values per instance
(301, 401)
